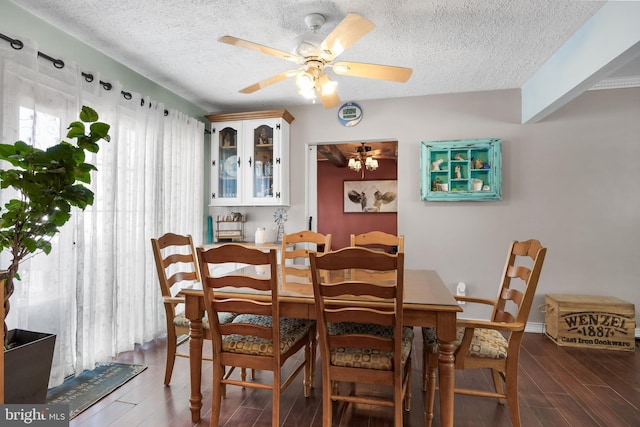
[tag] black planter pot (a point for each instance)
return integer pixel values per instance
(27, 366)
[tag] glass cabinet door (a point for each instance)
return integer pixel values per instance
(226, 181)
(263, 158)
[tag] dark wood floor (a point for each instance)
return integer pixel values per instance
(559, 386)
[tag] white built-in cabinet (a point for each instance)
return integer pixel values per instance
(250, 158)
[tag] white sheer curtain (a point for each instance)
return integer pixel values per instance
(97, 290)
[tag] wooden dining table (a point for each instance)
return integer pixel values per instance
(427, 302)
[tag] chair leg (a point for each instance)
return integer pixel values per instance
(512, 398)
(432, 363)
(314, 356)
(275, 414)
(327, 404)
(307, 369)
(172, 346)
(217, 394)
(425, 365)
(498, 383)
(397, 403)
(407, 385)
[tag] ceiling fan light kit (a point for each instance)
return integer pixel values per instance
(313, 57)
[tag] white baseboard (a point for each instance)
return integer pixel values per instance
(538, 327)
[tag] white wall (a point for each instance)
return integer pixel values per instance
(572, 181)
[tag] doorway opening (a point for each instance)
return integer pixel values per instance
(328, 206)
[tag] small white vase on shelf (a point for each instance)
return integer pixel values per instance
(261, 235)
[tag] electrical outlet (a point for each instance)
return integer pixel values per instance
(461, 291)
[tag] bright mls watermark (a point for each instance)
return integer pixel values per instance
(34, 415)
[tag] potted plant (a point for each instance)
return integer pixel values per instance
(47, 184)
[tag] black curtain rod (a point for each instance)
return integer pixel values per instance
(58, 63)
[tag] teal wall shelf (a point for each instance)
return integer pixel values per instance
(468, 169)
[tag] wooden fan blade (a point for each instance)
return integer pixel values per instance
(330, 100)
(350, 30)
(267, 82)
(234, 41)
(327, 91)
(373, 71)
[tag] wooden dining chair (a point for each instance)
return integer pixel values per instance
(379, 239)
(296, 248)
(177, 267)
(258, 338)
(364, 342)
(492, 344)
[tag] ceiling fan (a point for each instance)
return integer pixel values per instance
(311, 78)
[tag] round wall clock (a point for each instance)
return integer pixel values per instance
(350, 114)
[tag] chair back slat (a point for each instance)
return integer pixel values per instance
(364, 341)
(357, 289)
(182, 276)
(520, 272)
(239, 281)
(513, 295)
(246, 329)
(377, 239)
(177, 257)
(504, 317)
(367, 315)
(235, 305)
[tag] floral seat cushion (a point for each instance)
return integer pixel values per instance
(486, 343)
(367, 358)
(291, 331)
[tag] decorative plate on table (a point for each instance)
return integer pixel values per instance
(230, 167)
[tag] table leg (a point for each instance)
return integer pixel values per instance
(446, 330)
(195, 354)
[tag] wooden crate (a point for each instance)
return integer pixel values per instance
(590, 321)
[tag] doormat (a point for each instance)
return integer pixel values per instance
(84, 390)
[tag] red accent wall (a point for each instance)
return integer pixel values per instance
(331, 218)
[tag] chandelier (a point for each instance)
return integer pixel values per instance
(363, 160)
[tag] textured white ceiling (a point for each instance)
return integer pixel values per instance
(452, 45)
